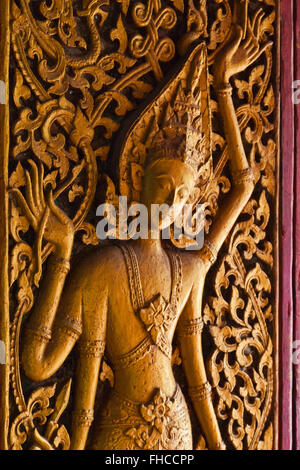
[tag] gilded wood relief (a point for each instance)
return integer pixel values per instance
(97, 88)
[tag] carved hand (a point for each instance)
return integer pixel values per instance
(241, 47)
(43, 214)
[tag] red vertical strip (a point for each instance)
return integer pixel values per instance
(297, 227)
(286, 233)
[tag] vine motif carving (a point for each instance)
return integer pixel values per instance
(25, 426)
(240, 312)
(73, 85)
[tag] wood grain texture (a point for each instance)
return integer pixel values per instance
(288, 205)
(4, 148)
(297, 229)
(287, 224)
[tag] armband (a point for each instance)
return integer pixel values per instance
(201, 392)
(42, 333)
(190, 328)
(243, 176)
(226, 90)
(59, 265)
(83, 418)
(92, 348)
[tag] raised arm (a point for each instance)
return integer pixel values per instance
(49, 336)
(189, 334)
(240, 50)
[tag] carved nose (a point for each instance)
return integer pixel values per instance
(171, 198)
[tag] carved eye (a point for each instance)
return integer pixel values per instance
(164, 184)
(182, 193)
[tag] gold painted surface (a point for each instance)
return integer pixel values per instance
(202, 319)
(4, 288)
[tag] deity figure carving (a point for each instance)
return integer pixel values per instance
(128, 300)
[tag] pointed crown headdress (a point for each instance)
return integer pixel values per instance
(175, 125)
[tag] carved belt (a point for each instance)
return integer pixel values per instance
(163, 423)
(125, 412)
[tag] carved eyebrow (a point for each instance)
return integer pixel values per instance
(183, 185)
(165, 175)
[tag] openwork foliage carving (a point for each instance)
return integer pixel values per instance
(80, 67)
(239, 314)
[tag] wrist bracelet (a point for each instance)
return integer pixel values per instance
(210, 251)
(70, 327)
(92, 348)
(243, 176)
(190, 327)
(59, 265)
(226, 90)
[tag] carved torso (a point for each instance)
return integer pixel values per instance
(146, 399)
(139, 343)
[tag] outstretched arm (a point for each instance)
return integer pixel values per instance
(80, 315)
(91, 349)
(55, 323)
(240, 50)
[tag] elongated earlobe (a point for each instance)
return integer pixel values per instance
(137, 174)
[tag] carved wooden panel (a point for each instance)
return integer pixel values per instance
(80, 73)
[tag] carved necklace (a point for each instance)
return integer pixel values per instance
(158, 314)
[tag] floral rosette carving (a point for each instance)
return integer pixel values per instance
(157, 317)
(159, 432)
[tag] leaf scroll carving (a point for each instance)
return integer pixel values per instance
(80, 67)
(240, 311)
(74, 79)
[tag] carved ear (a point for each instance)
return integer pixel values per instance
(195, 196)
(137, 174)
(182, 242)
(205, 172)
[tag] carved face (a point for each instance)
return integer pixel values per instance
(167, 182)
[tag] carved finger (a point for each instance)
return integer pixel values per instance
(251, 44)
(41, 184)
(35, 184)
(251, 39)
(240, 15)
(257, 23)
(29, 195)
(249, 35)
(55, 210)
(232, 46)
(255, 17)
(21, 202)
(252, 48)
(256, 55)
